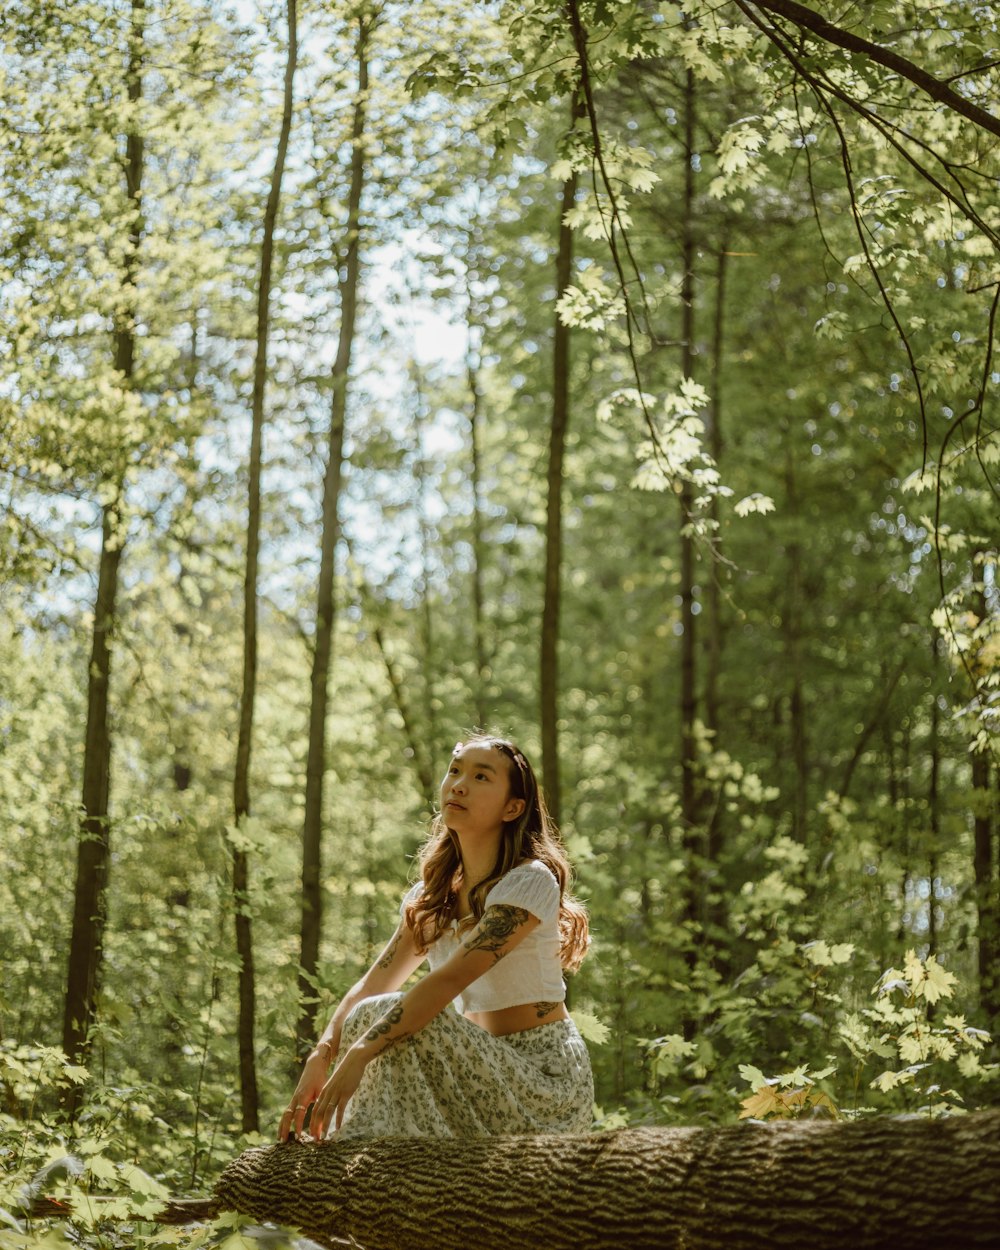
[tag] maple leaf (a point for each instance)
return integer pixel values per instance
(761, 1104)
(914, 972)
(939, 983)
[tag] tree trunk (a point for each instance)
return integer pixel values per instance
(693, 902)
(428, 663)
(472, 364)
(325, 610)
(934, 816)
(792, 632)
(549, 675)
(871, 1184)
(714, 631)
(93, 848)
(716, 902)
(985, 866)
(241, 780)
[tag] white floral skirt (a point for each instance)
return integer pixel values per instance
(453, 1079)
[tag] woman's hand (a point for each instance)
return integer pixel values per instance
(336, 1093)
(306, 1092)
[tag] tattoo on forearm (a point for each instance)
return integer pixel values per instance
(379, 1030)
(543, 1009)
(499, 922)
(389, 951)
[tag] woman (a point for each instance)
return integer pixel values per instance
(492, 917)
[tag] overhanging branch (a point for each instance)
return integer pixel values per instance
(815, 23)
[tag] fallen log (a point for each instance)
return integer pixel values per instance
(901, 1183)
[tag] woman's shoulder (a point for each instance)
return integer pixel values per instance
(531, 880)
(530, 868)
(412, 894)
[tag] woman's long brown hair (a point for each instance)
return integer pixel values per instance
(532, 835)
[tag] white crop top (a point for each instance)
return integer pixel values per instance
(532, 972)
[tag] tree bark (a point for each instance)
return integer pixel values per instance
(985, 866)
(791, 626)
(241, 781)
(716, 906)
(549, 675)
(871, 1184)
(714, 631)
(693, 902)
(325, 608)
(472, 366)
(428, 664)
(934, 815)
(86, 952)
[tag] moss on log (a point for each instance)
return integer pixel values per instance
(899, 1183)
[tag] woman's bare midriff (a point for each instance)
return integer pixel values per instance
(518, 1019)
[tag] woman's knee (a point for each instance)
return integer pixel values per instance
(366, 1012)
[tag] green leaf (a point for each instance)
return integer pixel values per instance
(753, 1076)
(591, 1028)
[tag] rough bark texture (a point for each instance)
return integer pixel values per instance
(892, 1183)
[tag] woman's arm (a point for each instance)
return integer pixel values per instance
(501, 928)
(393, 967)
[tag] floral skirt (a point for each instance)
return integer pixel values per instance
(453, 1079)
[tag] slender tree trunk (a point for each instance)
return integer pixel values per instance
(472, 362)
(693, 903)
(934, 814)
(792, 629)
(428, 662)
(552, 600)
(986, 887)
(325, 607)
(241, 781)
(714, 630)
(984, 801)
(93, 848)
(716, 906)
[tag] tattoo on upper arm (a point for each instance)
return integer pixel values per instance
(383, 1026)
(390, 951)
(499, 922)
(543, 1009)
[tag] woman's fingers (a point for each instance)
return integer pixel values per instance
(294, 1118)
(301, 1107)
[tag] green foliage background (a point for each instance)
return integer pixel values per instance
(845, 525)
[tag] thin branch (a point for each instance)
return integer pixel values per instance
(855, 212)
(820, 83)
(937, 89)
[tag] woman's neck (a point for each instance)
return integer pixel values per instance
(478, 860)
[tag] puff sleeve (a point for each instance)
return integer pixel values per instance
(411, 896)
(531, 886)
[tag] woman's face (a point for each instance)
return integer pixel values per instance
(475, 791)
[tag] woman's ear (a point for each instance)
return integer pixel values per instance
(514, 808)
